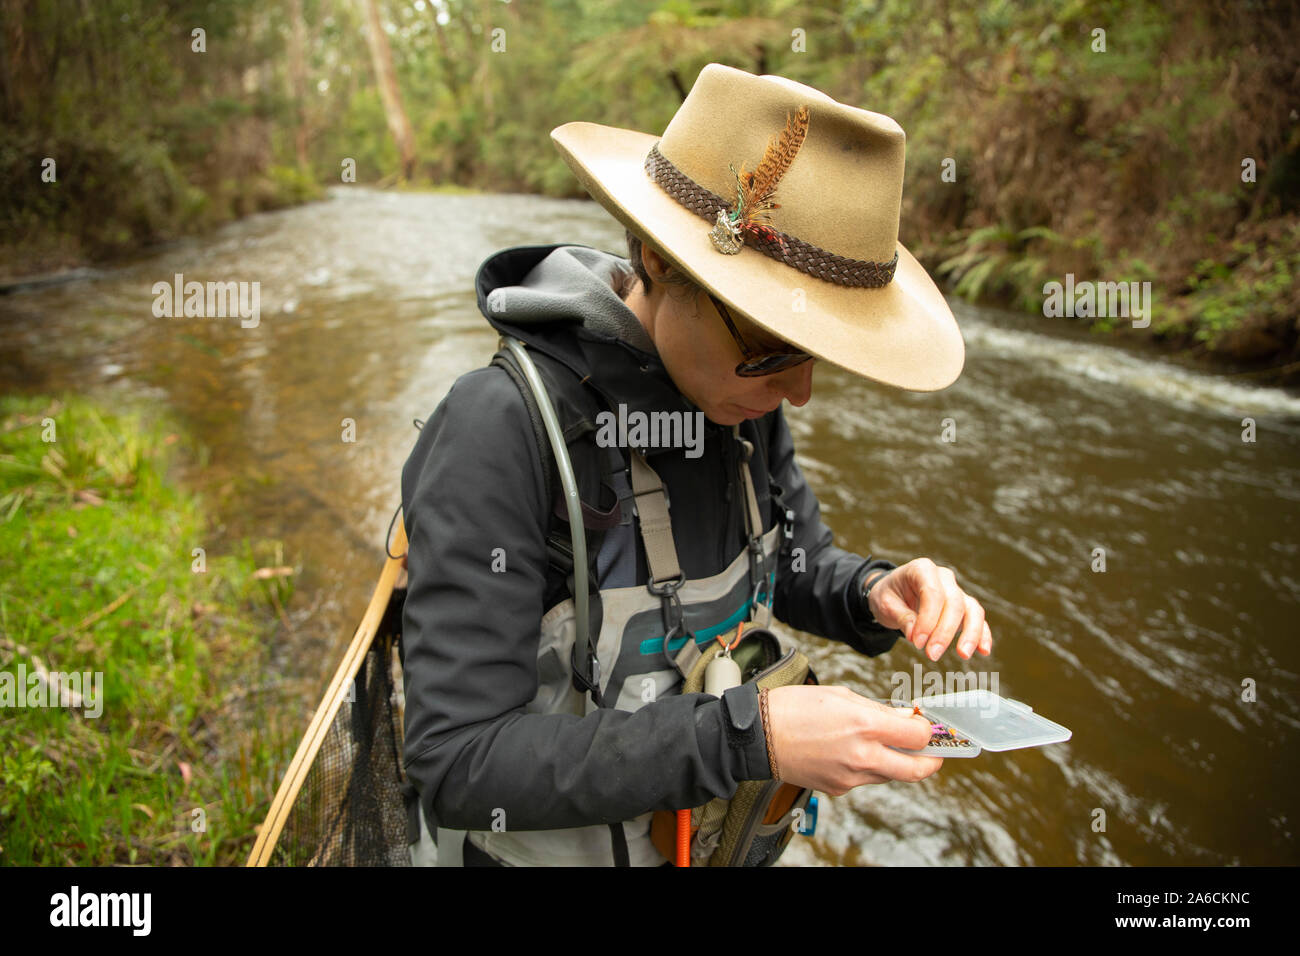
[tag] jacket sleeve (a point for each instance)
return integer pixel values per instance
(819, 586)
(471, 629)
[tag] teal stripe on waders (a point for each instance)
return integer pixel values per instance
(655, 645)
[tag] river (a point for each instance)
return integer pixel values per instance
(1177, 667)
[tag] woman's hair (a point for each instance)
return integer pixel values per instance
(673, 275)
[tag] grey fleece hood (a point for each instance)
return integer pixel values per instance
(539, 293)
(567, 282)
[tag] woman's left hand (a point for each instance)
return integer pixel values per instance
(922, 600)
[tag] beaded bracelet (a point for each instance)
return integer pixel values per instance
(767, 732)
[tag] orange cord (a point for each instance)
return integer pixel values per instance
(684, 838)
(684, 816)
(740, 629)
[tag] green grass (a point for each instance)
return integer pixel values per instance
(1003, 264)
(97, 575)
(1260, 283)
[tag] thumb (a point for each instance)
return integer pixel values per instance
(894, 611)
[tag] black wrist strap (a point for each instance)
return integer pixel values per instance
(869, 581)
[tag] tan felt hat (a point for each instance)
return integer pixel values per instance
(784, 204)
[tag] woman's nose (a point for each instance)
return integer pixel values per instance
(796, 383)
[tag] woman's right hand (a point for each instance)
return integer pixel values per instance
(831, 739)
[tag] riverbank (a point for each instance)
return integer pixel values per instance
(54, 242)
(1236, 313)
(139, 724)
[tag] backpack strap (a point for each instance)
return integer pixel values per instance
(758, 570)
(781, 513)
(560, 481)
(503, 359)
(586, 673)
(559, 549)
(666, 575)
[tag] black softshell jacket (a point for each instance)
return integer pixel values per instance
(473, 484)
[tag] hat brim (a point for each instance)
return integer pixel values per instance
(903, 334)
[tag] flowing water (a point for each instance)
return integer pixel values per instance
(1176, 667)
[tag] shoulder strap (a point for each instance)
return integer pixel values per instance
(656, 528)
(502, 359)
(566, 552)
(780, 512)
(541, 406)
(666, 575)
(559, 550)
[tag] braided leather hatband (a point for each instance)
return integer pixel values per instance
(794, 252)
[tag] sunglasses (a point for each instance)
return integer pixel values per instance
(757, 363)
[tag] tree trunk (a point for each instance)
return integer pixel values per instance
(449, 60)
(484, 75)
(398, 123)
(298, 81)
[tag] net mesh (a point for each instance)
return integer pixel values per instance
(350, 810)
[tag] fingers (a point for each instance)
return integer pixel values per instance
(942, 608)
(897, 726)
(950, 618)
(943, 613)
(906, 767)
(973, 628)
(890, 727)
(929, 591)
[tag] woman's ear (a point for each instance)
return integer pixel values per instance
(655, 265)
(664, 272)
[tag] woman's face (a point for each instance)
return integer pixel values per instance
(701, 355)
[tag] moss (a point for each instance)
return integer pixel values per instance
(98, 575)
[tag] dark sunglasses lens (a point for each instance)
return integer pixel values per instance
(771, 364)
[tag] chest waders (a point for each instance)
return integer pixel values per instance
(624, 644)
(753, 826)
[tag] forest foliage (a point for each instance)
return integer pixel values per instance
(1122, 140)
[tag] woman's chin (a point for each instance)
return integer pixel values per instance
(729, 414)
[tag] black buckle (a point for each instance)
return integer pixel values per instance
(581, 682)
(787, 532)
(674, 617)
(671, 635)
(669, 587)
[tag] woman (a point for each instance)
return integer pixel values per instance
(771, 215)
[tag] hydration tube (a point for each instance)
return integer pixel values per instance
(570, 484)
